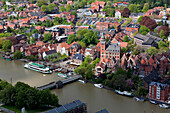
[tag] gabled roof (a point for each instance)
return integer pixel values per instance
(162, 86)
(50, 52)
(79, 57)
(152, 77)
(113, 47)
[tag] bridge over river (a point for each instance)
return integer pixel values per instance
(58, 84)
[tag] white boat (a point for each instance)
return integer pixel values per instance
(119, 92)
(82, 81)
(127, 93)
(139, 99)
(153, 102)
(37, 67)
(62, 75)
(98, 85)
(163, 106)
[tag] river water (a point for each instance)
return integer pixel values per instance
(96, 99)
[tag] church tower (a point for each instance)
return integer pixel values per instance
(103, 47)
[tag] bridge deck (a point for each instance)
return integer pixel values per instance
(53, 84)
(70, 79)
(47, 86)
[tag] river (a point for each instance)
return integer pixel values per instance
(96, 99)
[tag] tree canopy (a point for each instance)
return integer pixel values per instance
(47, 37)
(41, 2)
(71, 38)
(126, 12)
(151, 51)
(6, 45)
(144, 30)
(150, 23)
(126, 39)
(17, 54)
(133, 8)
(22, 95)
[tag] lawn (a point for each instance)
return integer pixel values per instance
(17, 110)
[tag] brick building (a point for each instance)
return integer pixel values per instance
(158, 91)
(132, 27)
(109, 50)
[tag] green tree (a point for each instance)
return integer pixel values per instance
(161, 33)
(76, 5)
(42, 2)
(144, 30)
(133, 8)
(68, 8)
(21, 8)
(74, 13)
(97, 60)
(17, 54)
(32, 40)
(123, 50)
(44, 97)
(61, 8)
(47, 37)
(161, 44)
(51, 1)
(7, 95)
(9, 29)
(151, 51)
(139, 19)
(44, 8)
(51, 7)
(145, 8)
(71, 38)
(126, 39)
(35, 31)
(6, 45)
(165, 5)
(142, 92)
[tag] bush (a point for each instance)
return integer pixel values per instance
(5, 34)
(17, 55)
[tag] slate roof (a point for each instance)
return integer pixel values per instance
(79, 57)
(162, 86)
(167, 81)
(36, 35)
(113, 47)
(66, 107)
(152, 77)
(35, 14)
(75, 46)
(51, 52)
(103, 111)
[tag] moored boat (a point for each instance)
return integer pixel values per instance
(163, 106)
(82, 81)
(62, 75)
(119, 92)
(37, 67)
(153, 102)
(139, 99)
(98, 85)
(127, 93)
(7, 58)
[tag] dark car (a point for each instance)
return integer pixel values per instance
(68, 63)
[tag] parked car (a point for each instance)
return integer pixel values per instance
(68, 63)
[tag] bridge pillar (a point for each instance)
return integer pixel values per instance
(59, 84)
